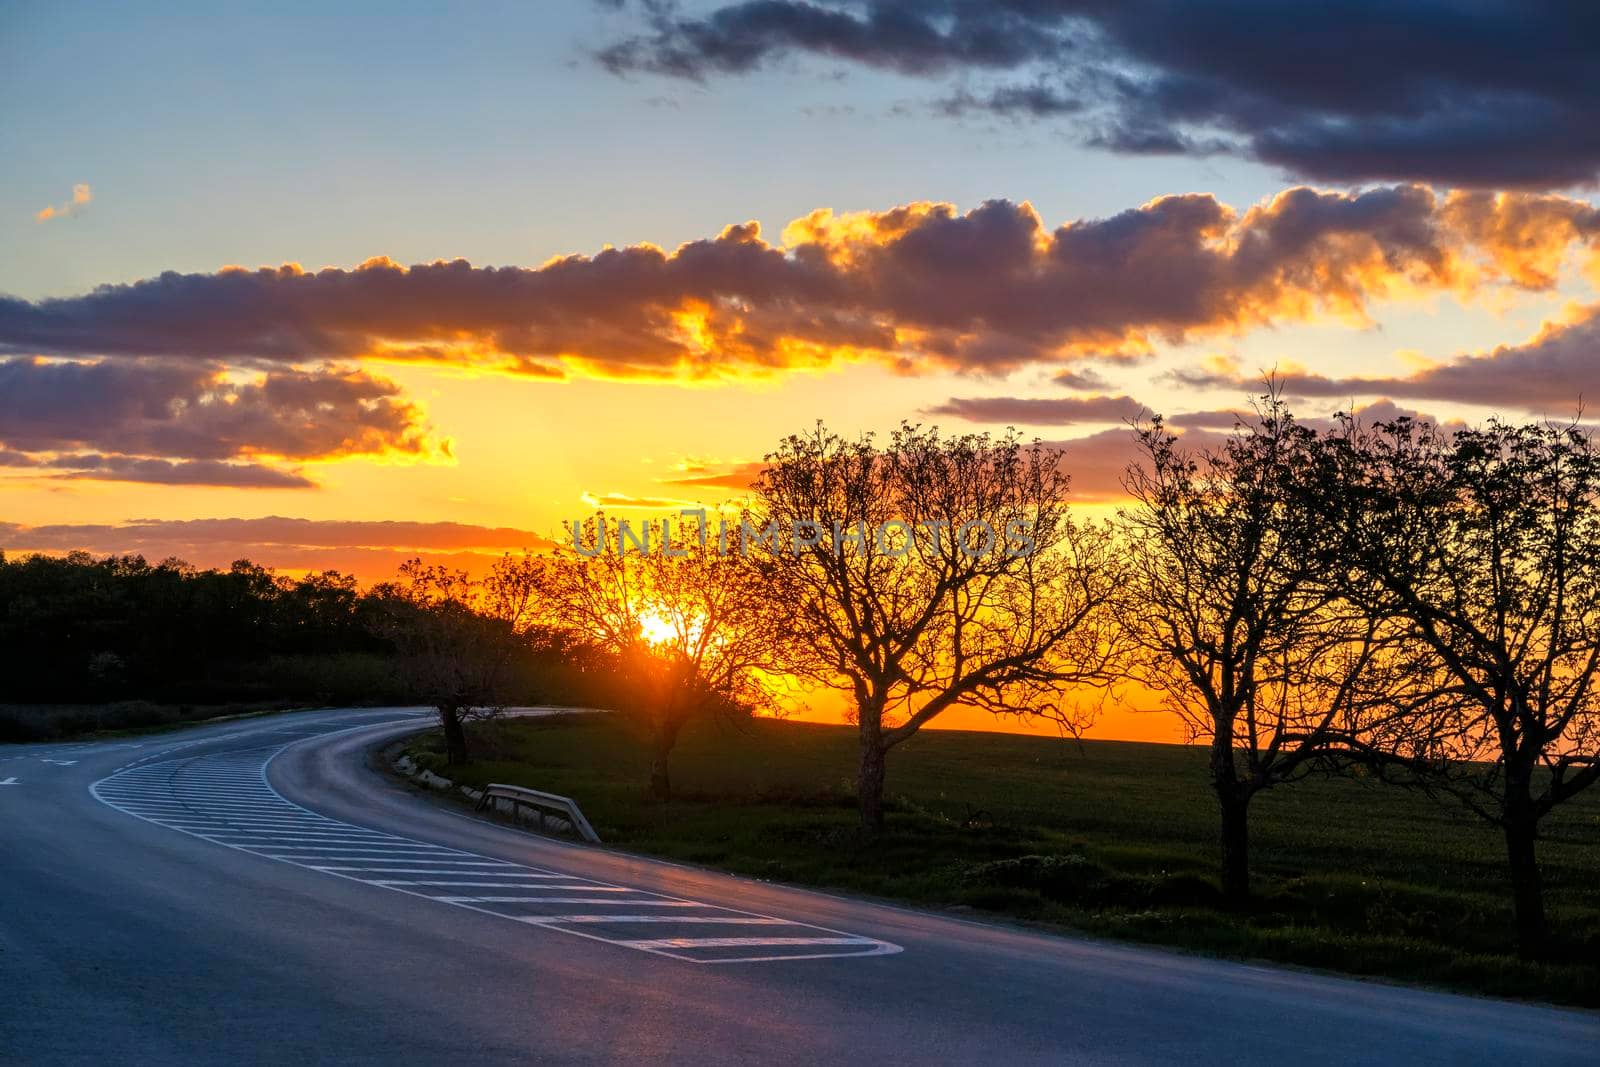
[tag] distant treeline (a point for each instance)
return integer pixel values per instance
(80, 630)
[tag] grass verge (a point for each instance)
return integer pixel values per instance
(1115, 839)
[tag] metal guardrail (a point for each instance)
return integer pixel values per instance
(543, 802)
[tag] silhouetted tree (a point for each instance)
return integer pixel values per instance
(1233, 620)
(319, 606)
(685, 624)
(931, 573)
(1485, 544)
(454, 656)
(77, 628)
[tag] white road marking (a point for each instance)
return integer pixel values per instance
(383, 870)
(606, 900)
(324, 850)
(366, 862)
(740, 942)
(280, 836)
(225, 798)
(724, 920)
(534, 900)
(472, 885)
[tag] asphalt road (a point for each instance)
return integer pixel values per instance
(253, 892)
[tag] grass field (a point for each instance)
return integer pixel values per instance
(1115, 839)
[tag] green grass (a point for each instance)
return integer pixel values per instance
(1115, 839)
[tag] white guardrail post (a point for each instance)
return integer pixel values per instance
(533, 798)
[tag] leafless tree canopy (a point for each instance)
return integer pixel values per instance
(940, 571)
(1485, 545)
(458, 638)
(1231, 616)
(1394, 597)
(689, 627)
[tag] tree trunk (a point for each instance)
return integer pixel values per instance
(1234, 798)
(660, 780)
(455, 736)
(664, 737)
(1236, 850)
(869, 784)
(1527, 890)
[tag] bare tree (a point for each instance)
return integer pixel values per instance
(685, 624)
(1485, 544)
(457, 640)
(514, 591)
(932, 573)
(1232, 620)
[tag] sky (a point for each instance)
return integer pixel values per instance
(334, 285)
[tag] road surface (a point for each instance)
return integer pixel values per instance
(253, 892)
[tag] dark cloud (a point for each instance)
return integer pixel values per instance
(1041, 411)
(191, 422)
(1490, 93)
(921, 287)
(1039, 100)
(143, 535)
(895, 36)
(370, 549)
(1098, 463)
(185, 472)
(1555, 373)
(95, 467)
(1225, 420)
(1081, 378)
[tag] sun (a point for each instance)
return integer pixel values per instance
(656, 628)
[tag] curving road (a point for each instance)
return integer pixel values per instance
(254, 892)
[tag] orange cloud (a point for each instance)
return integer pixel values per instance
(738, 476)
(81, 195)
(191, 422)
(920, 287)
(1526, 237)
(626, 500)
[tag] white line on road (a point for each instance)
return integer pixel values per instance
(726, 920)
(399, 854)
(741, 942)
(538, 900)
(388, 870)
(605, 900)
(225, 798)
(472, 885)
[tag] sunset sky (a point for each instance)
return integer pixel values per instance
(330, 288)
